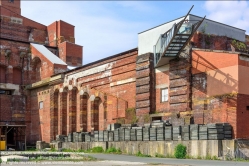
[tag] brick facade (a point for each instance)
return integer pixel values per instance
(207, 83)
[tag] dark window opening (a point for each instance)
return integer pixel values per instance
(5, 92)
(156, 118)
(247, 107)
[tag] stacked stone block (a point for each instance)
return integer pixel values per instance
(177, 132)
(203, 132)
(168, 133)
(133, 134)
(215, 131)
(139, 133)
(185, 132)
(111, 136)
(227, 131)
(152, 132)
(194, 130)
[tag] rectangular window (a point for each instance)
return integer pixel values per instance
(164, 94)
(5, 92)
(41, 105)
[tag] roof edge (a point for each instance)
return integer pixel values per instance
(194, 16)
(92, 63)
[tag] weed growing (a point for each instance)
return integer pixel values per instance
(139, 154)
(159, 155)
(113, 150)
(180, 151)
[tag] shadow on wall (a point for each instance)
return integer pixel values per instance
(218, 80)
(35, 125)
(36, 72)
(215, 87)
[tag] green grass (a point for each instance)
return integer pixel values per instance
(13, 160)
(159, 155)
(71, 150)
(97, 149)
(53, 150)
(241, 159)
(199, 157)
(139, 154)
(82, 158)
(113, 150)
(208, 157)
(31, 149)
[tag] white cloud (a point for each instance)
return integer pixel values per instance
(99, 30)
(234, 13)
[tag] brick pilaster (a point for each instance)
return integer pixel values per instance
(144, 86)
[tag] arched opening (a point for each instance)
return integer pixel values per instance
(72, 110)
(55, 119)
(36, 69)
(63, 113)
(83, 111)
(17, 76)
(2, 74)
(95, 113)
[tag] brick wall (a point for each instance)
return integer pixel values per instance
(8, 6)
(70, 53)
(105, 88)
(242, 116)
(215, 85)
(59, 32)
(40, 117)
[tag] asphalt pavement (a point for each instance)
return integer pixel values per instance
(168, 161)
(120, 160)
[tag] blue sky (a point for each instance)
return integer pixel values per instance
(105, 28)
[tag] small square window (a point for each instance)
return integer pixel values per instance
(41, 105)
(247, 107)
(164, 94)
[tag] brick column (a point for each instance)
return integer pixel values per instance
(180, 95)
(72, 110)
(83, 112)
(54, 120)
(63, 113)
(145, 100)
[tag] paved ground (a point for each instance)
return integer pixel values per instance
(89, 163)
(119, 160)
(169, 161)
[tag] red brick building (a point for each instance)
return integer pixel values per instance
(202, 80)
